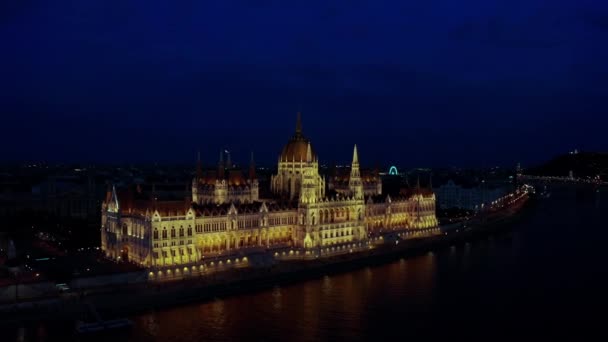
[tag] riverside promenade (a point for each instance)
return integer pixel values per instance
(119, 300)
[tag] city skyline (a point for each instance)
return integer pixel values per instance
(322, 170)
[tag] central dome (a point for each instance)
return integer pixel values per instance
(297, 147)
(295, 150)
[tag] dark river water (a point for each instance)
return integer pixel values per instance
(544, 279)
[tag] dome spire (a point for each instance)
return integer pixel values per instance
(299, 124)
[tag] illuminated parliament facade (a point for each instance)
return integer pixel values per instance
(226, 216)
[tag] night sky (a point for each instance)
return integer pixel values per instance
(413, 83)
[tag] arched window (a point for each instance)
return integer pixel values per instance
(172, 232)
(189, 231)
(181, 232)
(155, 234)
(164, 233)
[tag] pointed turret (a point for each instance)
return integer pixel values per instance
(308, 190)
(355, 156)
(354, 170)
(115, 202)
(354, 183)
(308, 153)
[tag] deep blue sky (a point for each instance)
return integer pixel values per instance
(416, 83)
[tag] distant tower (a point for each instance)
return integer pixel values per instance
(228, 159)
(197, 179)
(220, 192)
(354, 184)
(253, 181)
(220, 166)
(309, 181)
(308, 208)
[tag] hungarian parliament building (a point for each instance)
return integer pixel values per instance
(305, 213)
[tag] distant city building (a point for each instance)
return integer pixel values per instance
(73, 195)
(518, 169)
(470, 197)
(224, 214)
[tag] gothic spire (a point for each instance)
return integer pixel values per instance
(308, 153)
(355, 156)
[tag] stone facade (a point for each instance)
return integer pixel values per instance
(226, 217)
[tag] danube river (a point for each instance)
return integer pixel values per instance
(543, 279)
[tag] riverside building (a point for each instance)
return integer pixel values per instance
(225, 218)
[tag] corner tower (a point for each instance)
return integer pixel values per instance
(354, 184)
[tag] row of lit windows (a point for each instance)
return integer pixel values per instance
(341, 233)
(275, 221)
(173, 232)
(214, 227)
(248, 223)
(173, 243)
(174, 253)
